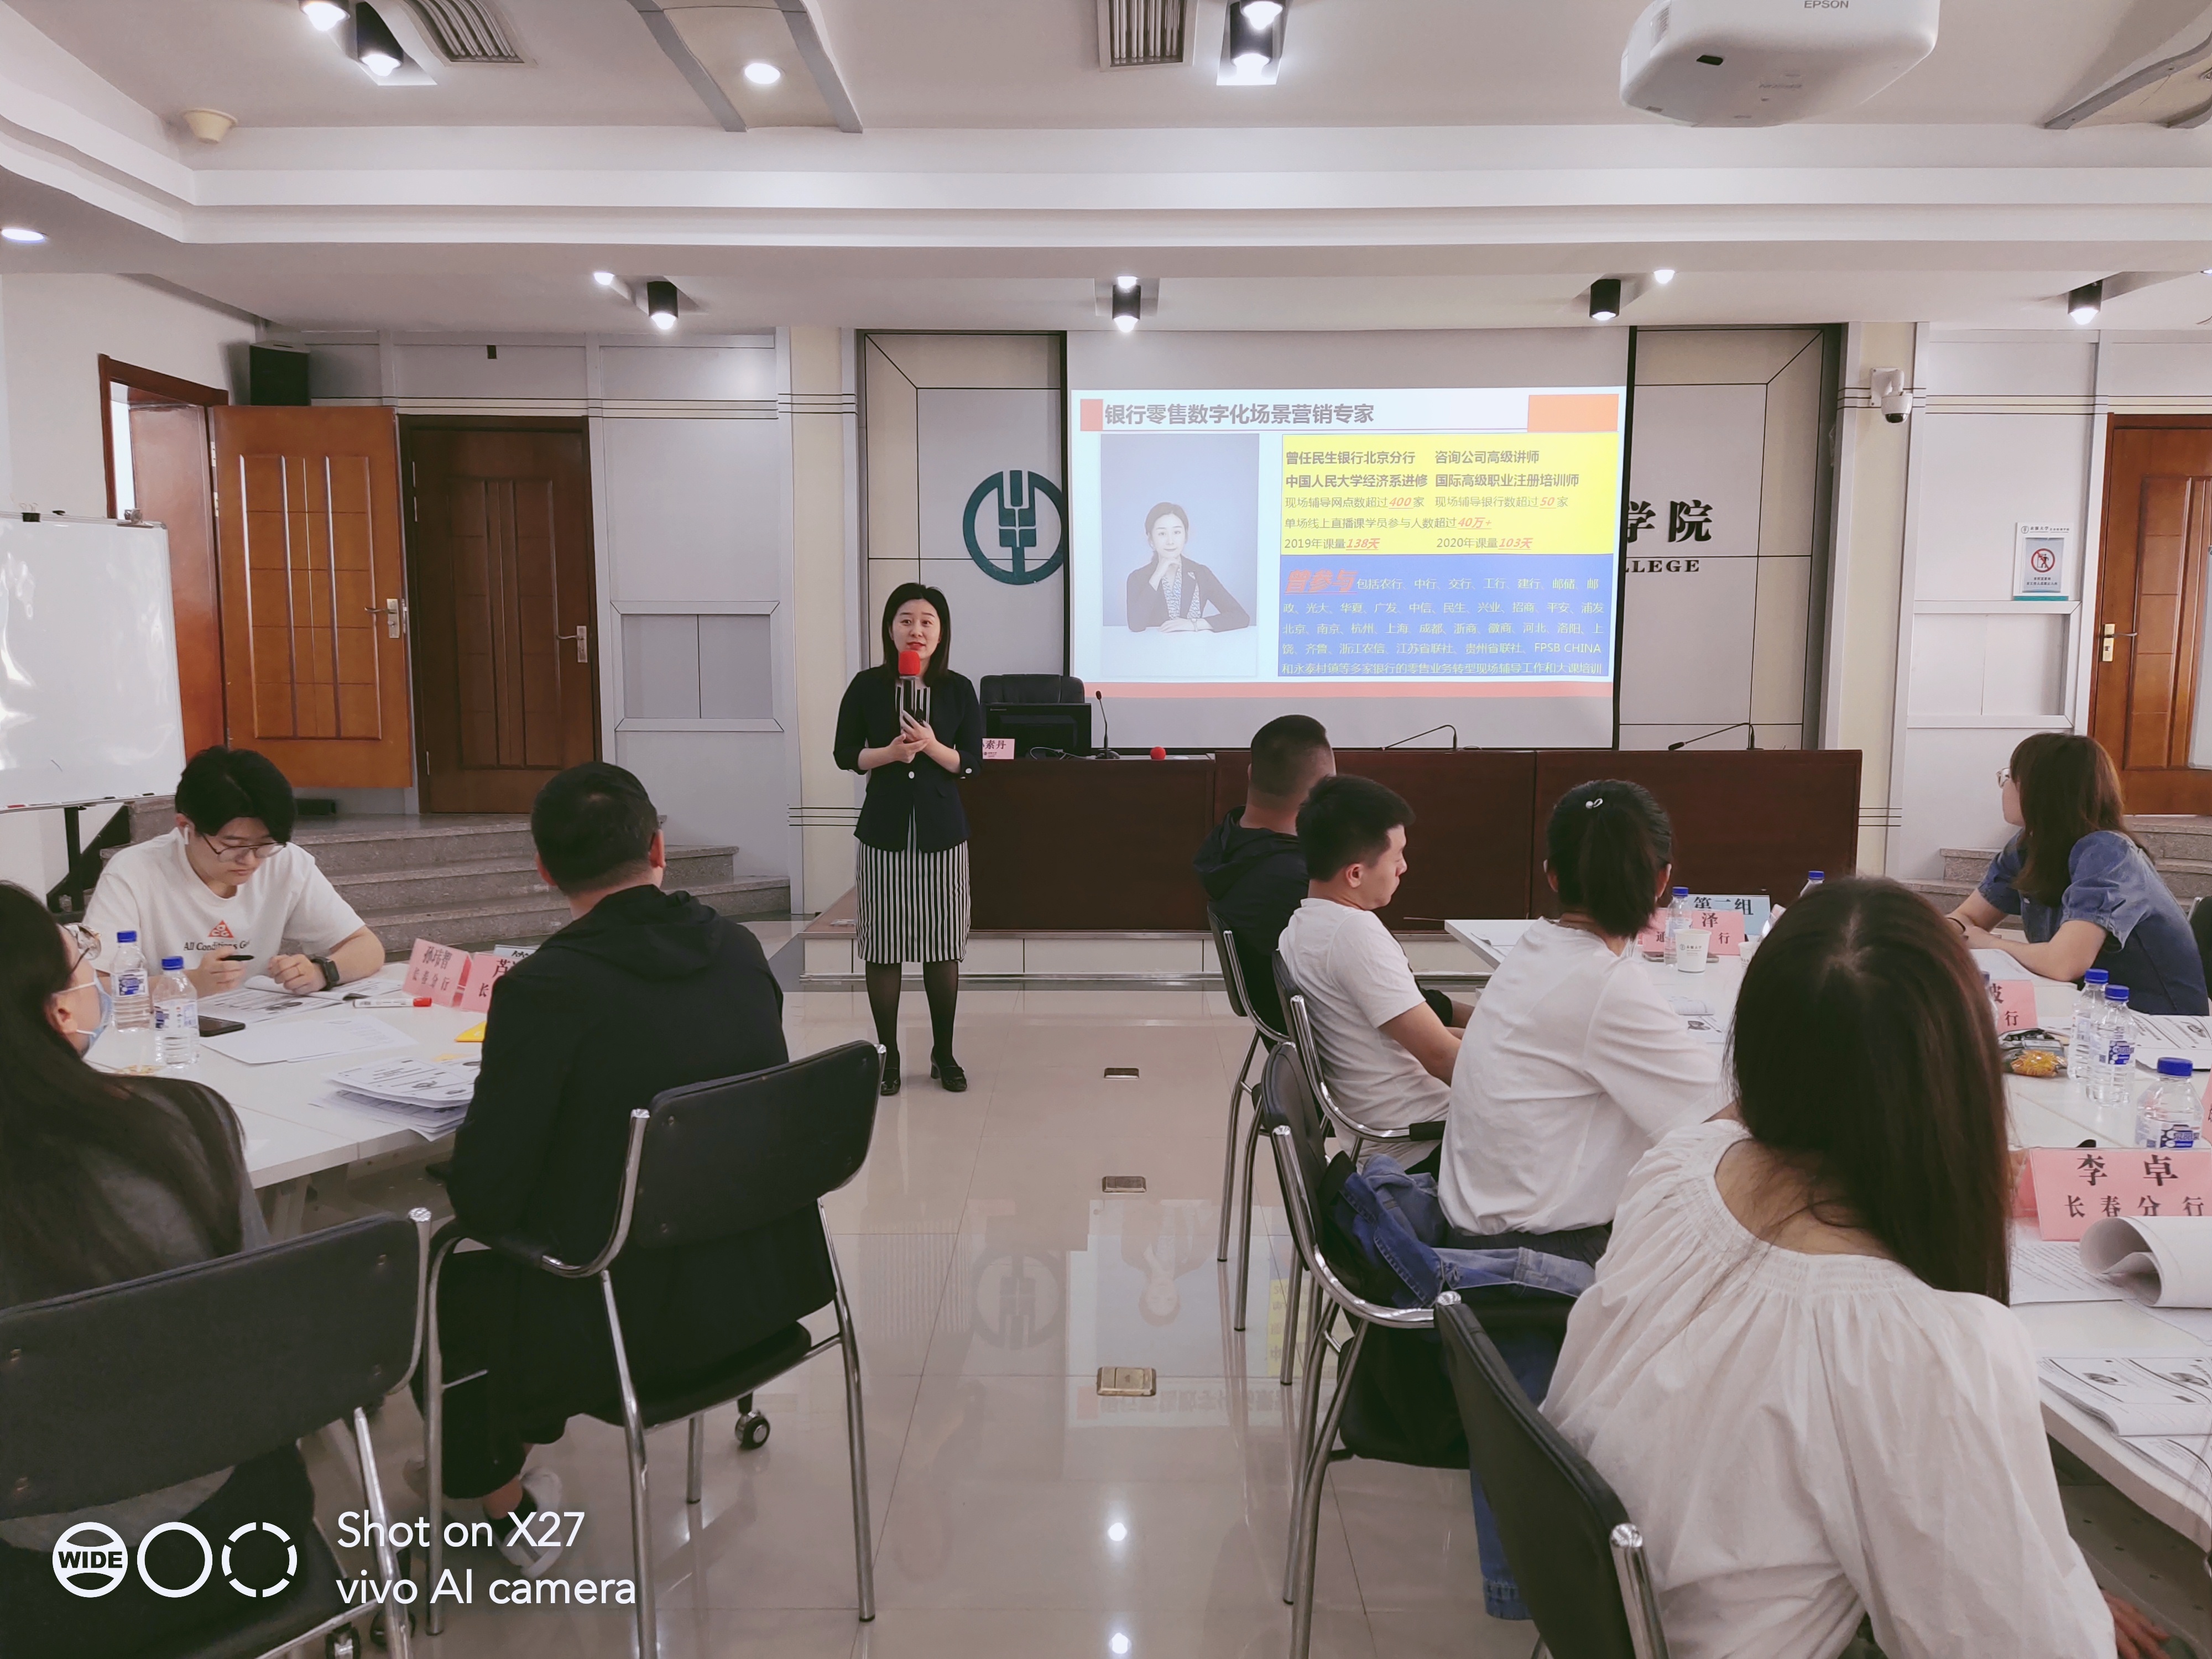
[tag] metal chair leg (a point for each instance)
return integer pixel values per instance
(372, 1490)
(1290, 1317)
(1229, 1154)
(1244, 1242)
(641, 1520)
(1309, 1508)
(1305, 1405)
(695, 1474)
(856, 1432)
(434, 1438)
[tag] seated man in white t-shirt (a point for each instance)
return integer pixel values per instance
(1387, 1054)
(227, 891)
(1575, 1063)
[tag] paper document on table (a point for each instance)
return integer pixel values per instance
(2189, 1036)
(2197, 1322)
(1496, 939)
(2053, 1272)
(1690, 1007)
(2170, 1255)
(2145, 1394)
(307, 1039)
(412, 1082)
(260, 999)
(1707, 1029)
(428, 1122)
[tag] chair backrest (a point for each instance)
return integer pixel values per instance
(1578, 1559)
(2200, 926)
(1029, 688)
(1232, 970)
(1284, 1098)
(736, 1154)
(110, 1393)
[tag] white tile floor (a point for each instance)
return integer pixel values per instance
(990, 1279)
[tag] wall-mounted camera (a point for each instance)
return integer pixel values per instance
(1891, 395)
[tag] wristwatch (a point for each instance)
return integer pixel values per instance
(330, 974)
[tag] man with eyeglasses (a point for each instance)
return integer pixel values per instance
(227, 890)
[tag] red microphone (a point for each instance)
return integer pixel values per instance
(910, 692)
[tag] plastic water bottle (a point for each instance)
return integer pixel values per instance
(2087, 1002)
(2112, 1051)
(1678, 917)
(1813, 880)
(176, 1015)
(129, 1047)
(2166, 1111)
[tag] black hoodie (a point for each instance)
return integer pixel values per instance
(644, 991)
(1254, 878)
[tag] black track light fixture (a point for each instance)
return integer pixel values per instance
(660, 303)
(1129, 303)
(1605, 298)
(2083, 304)
(375, 47)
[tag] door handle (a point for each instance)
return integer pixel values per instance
(389, 611)
(2112, 635)
(583, 639)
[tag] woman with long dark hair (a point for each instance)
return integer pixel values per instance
(915, 739)
(1573, 1065)
(1171, 591)
(1796, 1365)
(104, 1179)
(2084, 890)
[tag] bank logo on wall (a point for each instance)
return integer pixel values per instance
(1002, 531)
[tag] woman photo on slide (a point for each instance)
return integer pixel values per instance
(1171, 592)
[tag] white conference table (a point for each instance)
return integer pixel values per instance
(2045, 1112)
(288, 1138)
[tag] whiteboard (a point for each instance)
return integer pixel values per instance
(88, 703)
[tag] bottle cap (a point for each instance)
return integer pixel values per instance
(2116, 993)
(127, 936)
(173, 964)
(2096, 977)
(1815, 875)
(2173, 1065)
(1681, 892)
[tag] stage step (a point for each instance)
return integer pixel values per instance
(526, 919)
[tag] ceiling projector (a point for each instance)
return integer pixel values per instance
(1762, 63)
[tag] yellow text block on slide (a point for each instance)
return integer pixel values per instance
(1536, 492)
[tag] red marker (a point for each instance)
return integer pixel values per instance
(1159, 753)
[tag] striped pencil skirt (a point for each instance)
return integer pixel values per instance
(912, 906)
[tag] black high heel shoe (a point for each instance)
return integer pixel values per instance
(890, 1083)
(947, 1070)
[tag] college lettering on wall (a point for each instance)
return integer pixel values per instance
(1686, 521)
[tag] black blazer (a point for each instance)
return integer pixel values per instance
(645, 992)
(922, 791)
(1148, 606)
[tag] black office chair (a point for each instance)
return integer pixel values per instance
(133, 1386)
(1241, 1004)
(704, 1162)
(2200, 927)
(1029, 688)
(1577, 1557)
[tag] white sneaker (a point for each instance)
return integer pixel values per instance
(532, 1534)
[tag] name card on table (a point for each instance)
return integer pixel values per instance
(1753, 907)
(485, 969)
(1727, 927)
(2013, 1003)
(2072, 1187)
(436, 971)
(998, 748)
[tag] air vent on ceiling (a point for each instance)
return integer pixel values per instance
(1143, 34)
(466, 32)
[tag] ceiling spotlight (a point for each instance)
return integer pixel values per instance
(324, 15)
(660, 303)
(1128, 305)
(603, 278)
(374, 43)
(762, 74)
(1119, 1643)
(21, 233)
(1131, 282)
(1253, 48)
(1605, 298)
(1664, 276)
(1117, 1532)
(2083, 304)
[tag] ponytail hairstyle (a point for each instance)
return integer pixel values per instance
(1607, 844)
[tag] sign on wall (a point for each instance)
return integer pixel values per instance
(2039, 566)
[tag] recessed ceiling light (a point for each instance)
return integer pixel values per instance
(324, 15)
(21, 233)
(1664, 276)
(762, 74)
(603, 278)
(1120, 1642)
(1117, 1532)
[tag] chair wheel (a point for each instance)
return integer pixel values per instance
(342, 1644)
(380, 1636)
(752, 1431)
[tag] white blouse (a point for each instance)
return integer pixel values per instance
(1803, 1438)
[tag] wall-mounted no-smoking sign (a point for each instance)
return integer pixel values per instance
(2041, 569)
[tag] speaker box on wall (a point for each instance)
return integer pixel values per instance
(277, 376)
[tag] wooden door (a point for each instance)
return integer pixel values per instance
(313, 610)
(171, 485)
(2148, 622)
(499, 539)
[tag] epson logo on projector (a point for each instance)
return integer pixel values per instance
(1827, 5)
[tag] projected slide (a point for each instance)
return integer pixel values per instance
(1449, 540)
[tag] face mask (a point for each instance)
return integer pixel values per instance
(84, 1040)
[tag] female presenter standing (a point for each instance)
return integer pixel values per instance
(915, 728)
